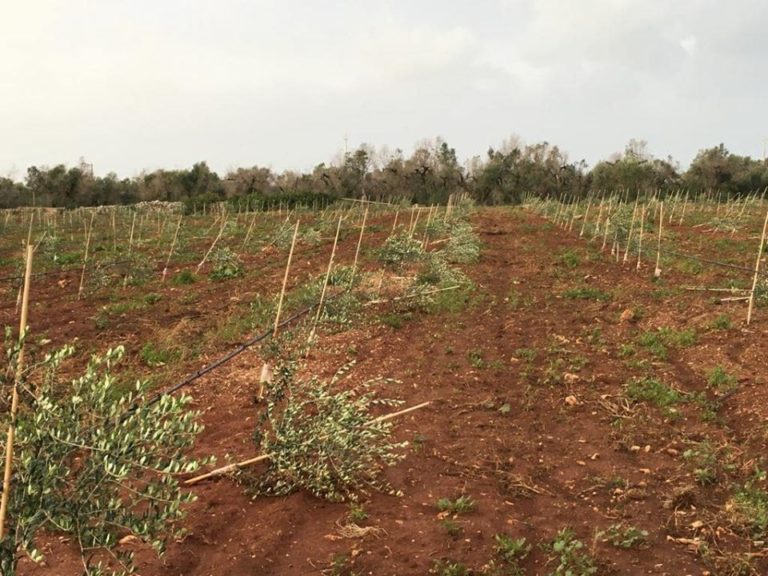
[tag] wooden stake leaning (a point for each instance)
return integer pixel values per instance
(325, 285)
(359, 244)
(586, 216)
(215, 241)
(170, 252)
(631, 229)
(640, 238)
(88, 235)
(251, 461)
(130, 240)
(15, 396)
(285, 278)
(266, 370)
(248, 233)
(657, 271)
(757, 270)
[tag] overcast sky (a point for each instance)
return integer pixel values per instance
(143, 84)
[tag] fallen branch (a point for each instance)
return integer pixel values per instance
(408, 296)
(703, 289)
(251, 461)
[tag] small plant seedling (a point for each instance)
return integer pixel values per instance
(569, 554)
(476, 359)
(655, 392)
(720, 380)
(722, 322)
(511, 551)
(448, 568)
(183, 278)
(626, 537)
(703, 458)
(587, 293)
(569, 259)
(452, 528)
(357, 513)
(750, 507)
(461, 505)
(152, 298)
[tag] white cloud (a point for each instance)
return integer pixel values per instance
(690, 44)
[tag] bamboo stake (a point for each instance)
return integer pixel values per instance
(285, 278)
(19, 295)
(586, 217)
(359, 244)
(266, 369)
(685, 205)
(248, 233)
(325, 283)
(599, 220)
(757, 270)
(631, 229)
(114, 229)
(657, 271)
(173, 245)
(415, 223)
(640, 238)
(215, 241)
(130, 240)
(15, 396)
(89, 233)
(410, 223)
(394, 223)
(251, 461)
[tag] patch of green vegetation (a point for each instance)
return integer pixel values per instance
(627, 350)
(658, 341)
(396, 319)
(448, 568)
(655, 392)
(357, 513)
(154, 355)
(449, 301)
(692, 267)
(451, 527)
(722, 322)
(527, 354)
(750, 506)
(626, 537)
(587, 293)
(703, 458)
(399, 249)
(708, 408)
(183, 278)
(569, 259)
(226, 265)
(476, 359)
(152, 298)
(511, 551)
(720, 380)
(460, 505)
(341, 565)
(570, 555)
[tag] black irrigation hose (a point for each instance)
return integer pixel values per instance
(713, 262)
(224, 359)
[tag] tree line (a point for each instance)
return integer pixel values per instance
(430, 175)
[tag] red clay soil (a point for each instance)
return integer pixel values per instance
(529, 418)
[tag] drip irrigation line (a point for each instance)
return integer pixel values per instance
(706, 261)
(226, 358)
